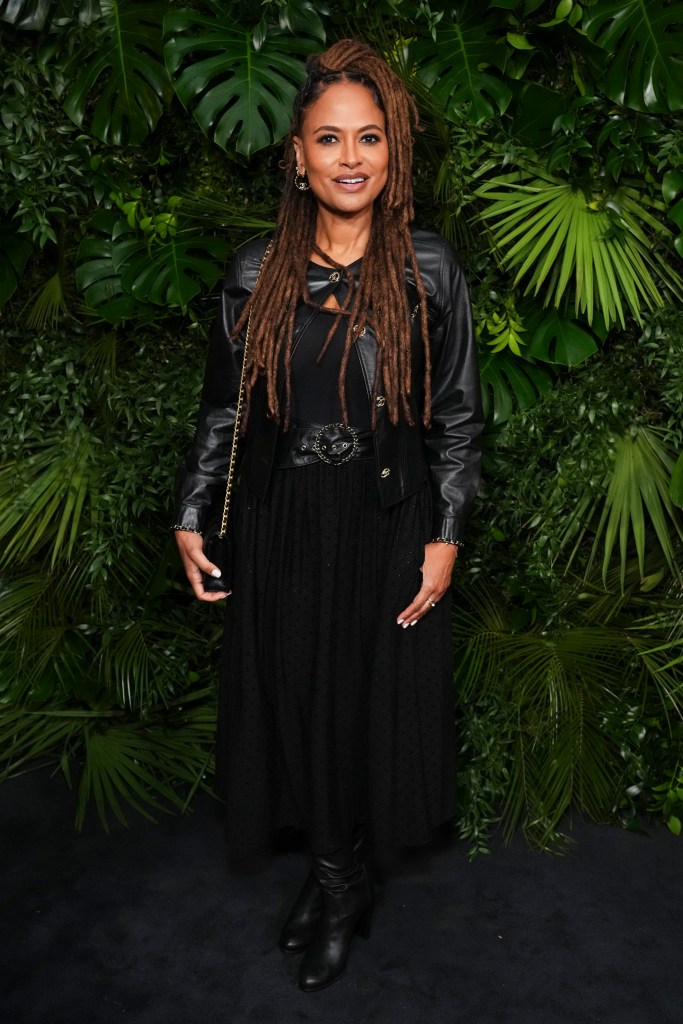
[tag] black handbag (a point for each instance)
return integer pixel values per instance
(218, 545)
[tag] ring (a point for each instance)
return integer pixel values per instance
(433, 603)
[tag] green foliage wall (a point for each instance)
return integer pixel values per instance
(139, 145)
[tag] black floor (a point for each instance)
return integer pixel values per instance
(147, 925)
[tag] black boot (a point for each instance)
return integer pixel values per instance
(346, 909)
(302, 922)
(300, 926)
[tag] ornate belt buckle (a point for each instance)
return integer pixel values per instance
(336, 451)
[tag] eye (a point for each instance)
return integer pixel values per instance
(325, 140)
(370, 138)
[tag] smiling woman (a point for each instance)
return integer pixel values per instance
(343, 150)
(360, 464)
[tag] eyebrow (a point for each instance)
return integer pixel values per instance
(333, 128)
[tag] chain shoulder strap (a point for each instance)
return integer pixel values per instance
(238, 414)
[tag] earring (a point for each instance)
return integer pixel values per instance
(301, 182)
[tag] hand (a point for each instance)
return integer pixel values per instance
(190, 545)
(436, 570)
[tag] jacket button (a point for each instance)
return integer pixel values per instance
(380, 401)
(385, 473)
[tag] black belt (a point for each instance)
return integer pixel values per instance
(305, 443)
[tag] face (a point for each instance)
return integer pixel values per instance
(343, 148)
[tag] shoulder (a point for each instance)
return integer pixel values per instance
(246, 263)
(437, 261)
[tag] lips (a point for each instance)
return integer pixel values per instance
(350, 182)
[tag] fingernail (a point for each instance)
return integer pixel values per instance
(399, 621)
(216, 573)
(405, 625)
(414, 622)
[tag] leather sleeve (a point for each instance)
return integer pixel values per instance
(203, 474)
(452, 443)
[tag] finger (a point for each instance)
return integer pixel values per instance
(418, 607)
(194, 575)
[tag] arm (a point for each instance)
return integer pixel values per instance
(202, 477)
(452, 442)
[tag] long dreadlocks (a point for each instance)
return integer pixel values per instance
(380, 297)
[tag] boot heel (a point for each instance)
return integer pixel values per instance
(364, 921)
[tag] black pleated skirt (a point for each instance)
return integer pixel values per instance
(331, 715)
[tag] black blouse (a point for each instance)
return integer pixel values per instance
(315, 382)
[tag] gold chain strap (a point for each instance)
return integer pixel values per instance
(238, 414)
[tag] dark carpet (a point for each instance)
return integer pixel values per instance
(148, 925)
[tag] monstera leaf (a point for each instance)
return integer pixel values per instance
(97, 277)
(455, 66)
(14, 254)
(117, 79)
(240, 96)
(122, 275)
(559, 341)
(645, 39)
(509, 383)
(170, 273)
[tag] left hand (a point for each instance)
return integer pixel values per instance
(436, 570)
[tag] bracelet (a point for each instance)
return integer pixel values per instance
(187, 529)
(446, 540)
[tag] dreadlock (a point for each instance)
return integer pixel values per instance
(279, 291)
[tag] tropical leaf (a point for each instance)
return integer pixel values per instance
(637, 501)
(240, 96)
(556, 690)
(44, 498)
(122, 275)
(676, 485)
(456, 66)
(136, 666)
(31, 15)
(14, 255)
(170, 273)
(556, 237)
(638, 495)
(97, 277)
(509, 383)
(645, 41)
(145, 764)
(49, 304)
(559, 341)
(151, 766)
(118, 82)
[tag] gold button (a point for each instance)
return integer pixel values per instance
(385, 473)
(380, 401)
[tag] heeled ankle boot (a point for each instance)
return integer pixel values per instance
(300, 926)
(302, 922)
(346, 909)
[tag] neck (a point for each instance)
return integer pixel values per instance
(345, 239)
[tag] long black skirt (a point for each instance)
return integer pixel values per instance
(331, 715)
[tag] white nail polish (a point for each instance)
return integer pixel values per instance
(405, 625)
(399, 622)
(414, 622)
(216, 573)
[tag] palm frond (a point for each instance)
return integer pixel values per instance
(555, 238)
(43, 499)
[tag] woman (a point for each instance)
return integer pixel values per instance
(360, 463)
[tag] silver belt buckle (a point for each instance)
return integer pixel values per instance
(343, 449)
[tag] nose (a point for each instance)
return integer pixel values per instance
(350, 157)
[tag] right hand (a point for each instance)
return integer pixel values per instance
(190, 546)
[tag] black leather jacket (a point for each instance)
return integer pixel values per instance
(447, 453)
